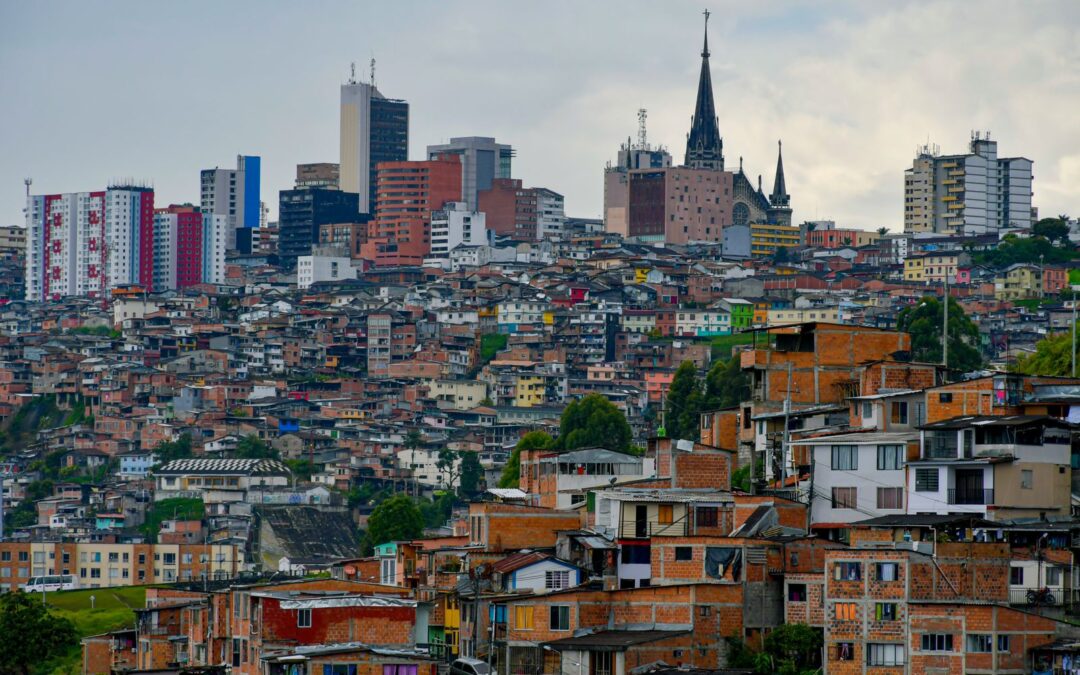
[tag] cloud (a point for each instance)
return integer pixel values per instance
(851, 87)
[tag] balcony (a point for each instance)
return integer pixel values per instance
(641, 529)
(970, 496)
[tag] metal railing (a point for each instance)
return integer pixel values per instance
(648, 528)
(969, 496)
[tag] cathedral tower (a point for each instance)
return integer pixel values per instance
(704, 147)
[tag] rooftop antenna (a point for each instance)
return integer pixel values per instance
(641, 137)
(27, 182)
(352, 73)
(372, 71)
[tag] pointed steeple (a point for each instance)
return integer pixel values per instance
(779, 211)
(779, 196)
(704, 148)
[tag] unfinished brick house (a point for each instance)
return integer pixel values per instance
(680, 625)
(902, 608)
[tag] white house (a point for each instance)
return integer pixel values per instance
(858, 476)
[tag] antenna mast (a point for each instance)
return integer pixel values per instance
(372, 71)
(352, 73)
(641, 136)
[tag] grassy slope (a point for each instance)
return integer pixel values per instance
(113, 609)
(722, 344)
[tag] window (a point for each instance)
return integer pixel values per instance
(684, 553)
(847, 571)
(845, 651)
(635, 555)
(303, 618)
(926, 480)
(890, 457)
(884, 655)
(1053, 576)
(845, 458)
(885, 611)
(980, 643)
(886, 571)
(937, 642)
(945, 397)
(846, 611)
(560, 617)
(523, 617)
(707, 516)
(867, 410)
(1016, 576)
(844, 498)
(796, 592)
(1026, 479)
(1003, 643)
(665, 514)
(556, 579)
(899, 412)
(170, 558)
(890, 498)
(5, 556)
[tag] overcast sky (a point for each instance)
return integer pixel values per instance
(96, 91)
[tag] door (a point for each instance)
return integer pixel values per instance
(969, 486)
(641, 520)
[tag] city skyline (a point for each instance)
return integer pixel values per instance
(564, 95)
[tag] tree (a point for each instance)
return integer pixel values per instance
(684, 403)
(924, 322)
(794, 648)
(396, 519)
(726, 384)
(449, 465)
(413, 439)
(301, 468)
(469, 475)
(167, 451)
(781, 254)
(882, 232)
(29, 634)
(1033, 250)
(534, 440)
(1053, 356)
(253, 447)
(1052, 229)
(594, 422)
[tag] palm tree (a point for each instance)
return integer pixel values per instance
(882, 231)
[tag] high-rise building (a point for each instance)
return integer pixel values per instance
(510, 209)
(129, 218)
(302, 212)
(970, 194)
(408, 194)
(550, 213)
(482, 161)
(86, 243)
(679, 205)
(374, 129)
(234, 193)
(455, 225)
(214, 234)
(631, 157)
(177, 252)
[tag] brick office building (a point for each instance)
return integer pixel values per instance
(408, 192)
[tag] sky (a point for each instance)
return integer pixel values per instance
(92, 93)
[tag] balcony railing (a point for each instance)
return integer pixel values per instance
(646, 528)
(970, 496)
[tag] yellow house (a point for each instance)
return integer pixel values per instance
(915, 268)
(1020, 281)
(529, 391)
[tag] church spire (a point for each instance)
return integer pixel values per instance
(779, 196)
(704, 148)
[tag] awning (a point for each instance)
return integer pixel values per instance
(596, 543)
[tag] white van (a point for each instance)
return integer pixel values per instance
(58, 582)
